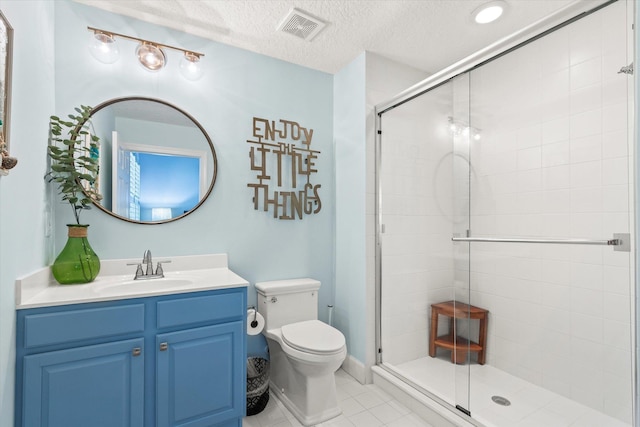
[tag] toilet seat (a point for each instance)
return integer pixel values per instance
(313, 336)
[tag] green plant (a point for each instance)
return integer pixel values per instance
(74, 159)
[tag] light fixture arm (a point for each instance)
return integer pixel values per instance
(123, 36)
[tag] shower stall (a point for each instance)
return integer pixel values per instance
(506, 185)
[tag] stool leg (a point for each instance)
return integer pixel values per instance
(459, 356)
(434, 332)
(483, 340)
(453, 333)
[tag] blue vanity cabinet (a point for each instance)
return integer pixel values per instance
(171, 360)
(101, 386)
(186, 388)
(200, 380)
(80, 365)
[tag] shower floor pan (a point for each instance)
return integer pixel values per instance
(530, 405)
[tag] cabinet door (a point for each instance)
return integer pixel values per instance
(200, 376)
(98, 386)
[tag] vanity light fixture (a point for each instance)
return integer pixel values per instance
(489, 12)
(150, 54)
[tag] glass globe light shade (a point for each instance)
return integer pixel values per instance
(190, 66)
(151, 57)
(104, 48)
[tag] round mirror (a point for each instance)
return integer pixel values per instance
(157, 163)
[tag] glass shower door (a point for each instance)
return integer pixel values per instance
(465, 333)
(553, 164)
(423, 199)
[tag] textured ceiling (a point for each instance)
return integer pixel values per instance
(426, 34)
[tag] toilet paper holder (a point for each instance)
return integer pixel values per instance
(254, 322)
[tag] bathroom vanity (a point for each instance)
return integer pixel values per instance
(116, 352)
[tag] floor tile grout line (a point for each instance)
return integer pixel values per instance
(275, 414)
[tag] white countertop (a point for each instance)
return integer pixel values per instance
(115, 282)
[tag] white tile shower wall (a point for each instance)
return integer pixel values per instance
(553, 161)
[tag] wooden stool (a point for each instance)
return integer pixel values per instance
(459, 346)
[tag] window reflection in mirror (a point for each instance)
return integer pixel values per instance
(157, 163)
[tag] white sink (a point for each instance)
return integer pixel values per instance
(138, 286)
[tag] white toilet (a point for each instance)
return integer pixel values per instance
(304, 352)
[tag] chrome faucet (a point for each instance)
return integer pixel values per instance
(147, 272)
(146, 259)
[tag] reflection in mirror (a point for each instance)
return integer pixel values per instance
(6, 55)
(157, 164)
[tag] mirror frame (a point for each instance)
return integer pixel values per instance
(105, 104)
(6, 120)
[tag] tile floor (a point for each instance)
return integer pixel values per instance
(362, 406)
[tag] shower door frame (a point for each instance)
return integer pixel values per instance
(547, 25)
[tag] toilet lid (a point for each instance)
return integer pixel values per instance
(313, 336)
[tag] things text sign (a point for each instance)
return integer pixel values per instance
(285, 165)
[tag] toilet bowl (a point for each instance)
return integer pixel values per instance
(304, 352)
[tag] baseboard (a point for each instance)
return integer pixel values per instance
(357, 370)
(428, 409)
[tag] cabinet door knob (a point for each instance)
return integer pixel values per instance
(136, 351)
(164, 346)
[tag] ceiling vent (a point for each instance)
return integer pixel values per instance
(301, 25)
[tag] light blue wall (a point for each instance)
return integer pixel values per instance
(133, 131)
(237, 86)
(58, 74)
(23, 247)
(350, 158)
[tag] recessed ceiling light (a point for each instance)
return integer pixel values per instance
(489, 12)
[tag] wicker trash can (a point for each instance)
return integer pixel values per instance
(257, 384)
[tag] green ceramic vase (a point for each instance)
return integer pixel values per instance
(77, 263)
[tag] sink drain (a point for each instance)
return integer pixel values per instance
(501, 400)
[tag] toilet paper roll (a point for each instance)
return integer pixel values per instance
(255, 322)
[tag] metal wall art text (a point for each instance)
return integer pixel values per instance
(281, 155)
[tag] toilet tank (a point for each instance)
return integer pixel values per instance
(282, 302)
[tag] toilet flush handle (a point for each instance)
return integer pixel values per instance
(274, 299)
